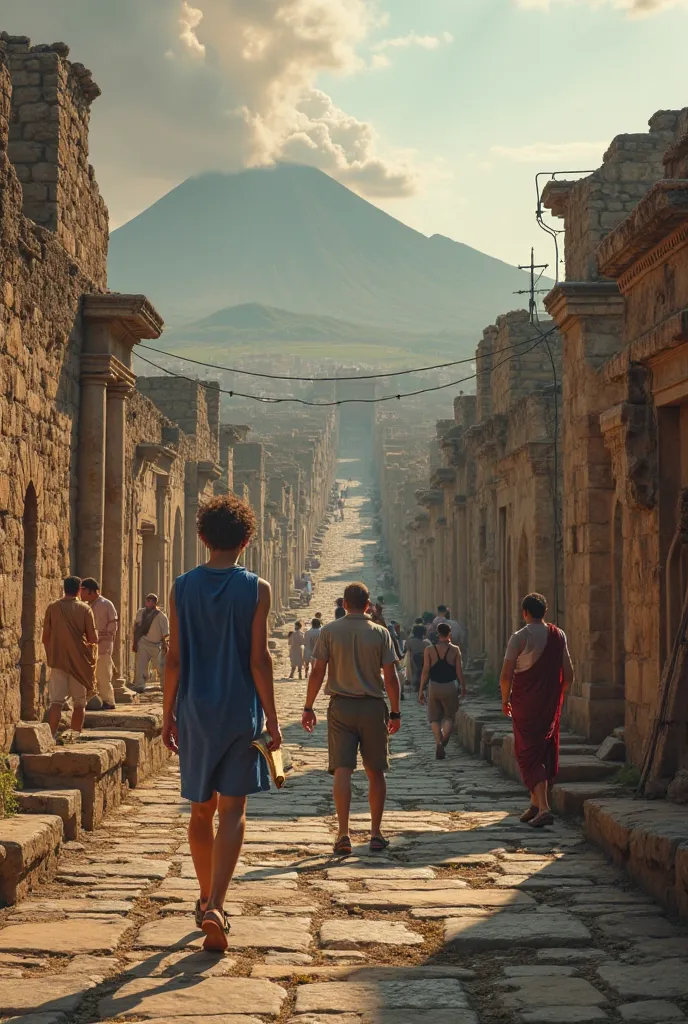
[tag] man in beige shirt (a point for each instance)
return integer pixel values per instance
(151, 638)
(105, 615)
(70, 640)
(359, 659)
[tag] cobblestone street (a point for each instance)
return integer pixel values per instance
(469, 918)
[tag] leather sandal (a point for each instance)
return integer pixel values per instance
(199, 914)
(378, 844)
(216, 926)
(542, 819)
(528, 815)
(343, 847)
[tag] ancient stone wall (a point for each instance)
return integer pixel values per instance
(597, 203)
(48, 145)
(613, 562)
(40, 344)
(488, 527)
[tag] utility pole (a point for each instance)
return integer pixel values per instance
(533, 291)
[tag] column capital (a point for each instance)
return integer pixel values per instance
(119, 391)
(132, 317)
(101, 367)
(575, 299)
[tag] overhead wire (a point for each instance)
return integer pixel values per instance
(313, 379)
(266, 400)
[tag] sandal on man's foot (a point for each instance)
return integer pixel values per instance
(378, 844)
(343, 847)
(440, 752)
(216, 927)
(199, 913)
(542, 819)
(528, 815)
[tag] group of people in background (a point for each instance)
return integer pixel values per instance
(79, 632)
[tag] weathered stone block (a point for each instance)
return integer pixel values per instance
(65, 803)
(31, 847)
(33, 738)
(93, 768)
(144, 755)
(612, 749)
(33, 112)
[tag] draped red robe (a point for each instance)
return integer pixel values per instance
(536, 701)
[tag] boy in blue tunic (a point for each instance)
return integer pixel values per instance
(219, 693)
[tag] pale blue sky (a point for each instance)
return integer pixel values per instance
(513, 78)
(194, 85)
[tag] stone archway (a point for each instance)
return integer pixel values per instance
(27, 642)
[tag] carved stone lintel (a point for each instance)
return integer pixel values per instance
(630, 433)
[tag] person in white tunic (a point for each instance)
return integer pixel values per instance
(151, 637)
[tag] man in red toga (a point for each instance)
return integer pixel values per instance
(536, 673)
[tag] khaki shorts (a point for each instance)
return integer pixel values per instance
(354, 722)
(443, 701)
(62, 685)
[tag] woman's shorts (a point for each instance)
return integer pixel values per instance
(443, 701)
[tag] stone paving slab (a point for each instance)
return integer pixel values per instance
(651, 1011)
(563, 1015)
(355, 874)
(506, 931)
(286, 934)
(96, 905)
(175, 997)
(413, 884)
(665, 980)
(70, 936)
(350, 934)
(549, 991)
(632, 926)
(44, 994)
(153, 869)
(347, 997)
(444, 897)
(434, 1016)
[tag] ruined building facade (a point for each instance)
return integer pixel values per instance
(623, 314)
(620, 466)
(486, 525)
(101, 474)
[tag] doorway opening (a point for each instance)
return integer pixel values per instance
(27, 643)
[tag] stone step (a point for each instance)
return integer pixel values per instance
(145, 754)
(569, 798)
(30, 846)
(64, 803)
(94, 768)
(584, 768)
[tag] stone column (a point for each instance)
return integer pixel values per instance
(114, 555)
(91, 474)
(190, 510)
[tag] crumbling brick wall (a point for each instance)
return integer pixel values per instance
(48, 145)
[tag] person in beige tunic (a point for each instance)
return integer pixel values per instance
(71, 644)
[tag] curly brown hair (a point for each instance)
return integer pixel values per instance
(226, 523)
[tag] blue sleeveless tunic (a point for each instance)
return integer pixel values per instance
(218, 710)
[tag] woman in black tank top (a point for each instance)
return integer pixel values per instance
(442, 674)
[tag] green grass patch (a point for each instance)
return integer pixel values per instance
(628, 776)
(9, 804)
(489, 685)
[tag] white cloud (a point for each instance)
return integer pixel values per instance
(197, 85)
(189, 20)
(267, 55)
(326, 137)
(414, 39)
(635, 8)
(552, 152)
